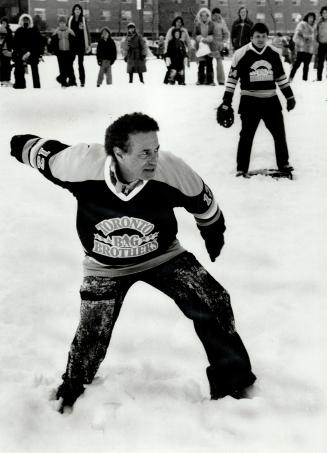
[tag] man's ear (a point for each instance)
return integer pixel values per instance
(118, 152)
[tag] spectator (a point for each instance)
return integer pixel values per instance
(62, 42)
(176, 58)
(134, 51)
(27, 49)
(204, 30)
(78, 24)
(5, 56)
(321, 37)
(220, 42)
(106, 56)
(240, 33)
(304, 45)
(161, 47)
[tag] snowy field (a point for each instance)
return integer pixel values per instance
(151, 393)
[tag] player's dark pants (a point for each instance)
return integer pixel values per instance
(321, 57)
(252, 111)
(305, 58)
(200, 297)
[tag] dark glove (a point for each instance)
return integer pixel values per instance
(17, 144)
(290, 104)
(225, 115)
(213, 236)
(125, 59)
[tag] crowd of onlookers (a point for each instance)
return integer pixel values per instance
(211, 40)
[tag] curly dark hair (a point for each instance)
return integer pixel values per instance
(306, 17)
(260, 27)
(117, 134)
(176, 19)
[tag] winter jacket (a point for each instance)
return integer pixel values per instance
(62, 40)
(304, 37)
(240, 33)
(177, 53)
(321, 31)
(106, 50)
(27, 40)
(220, 35)
(134, 50)
(185, 37)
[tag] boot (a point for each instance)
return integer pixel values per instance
(68, 392)
(235, 386)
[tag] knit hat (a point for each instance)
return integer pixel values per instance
(131, 25)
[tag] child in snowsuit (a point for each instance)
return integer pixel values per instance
(106, 56)
(62, 43)
(5, 57)
(176, 58)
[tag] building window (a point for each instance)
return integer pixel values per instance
(106, 1)
(223, 2)
(126, 1)
(40, 12)
(148, 16)
(279, 17)
(178, 1)
(261, 2)
(279, 2)
(296, 2)
(202, 2)
(84, 1)
(62, 0)
(126, 15)
(296, 17)
(105, 15)
(314, 2)
(86, 13)
(148, 2)
(177, 14)
(62, 12)
(260, 17)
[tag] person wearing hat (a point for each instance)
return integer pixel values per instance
(106, 56)
(134, 51)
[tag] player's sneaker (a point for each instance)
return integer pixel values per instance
(68, 392)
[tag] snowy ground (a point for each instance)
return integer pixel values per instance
(151, 394)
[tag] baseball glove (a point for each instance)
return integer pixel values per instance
(225, 115)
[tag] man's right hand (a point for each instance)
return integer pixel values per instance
(290, 104)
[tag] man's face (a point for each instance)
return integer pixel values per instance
(259, 39)
(141, 159)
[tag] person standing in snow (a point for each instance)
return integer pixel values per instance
(241, 27)
(259, 68)
(128, 236)
(27, 49)
(62, 42)
(5, 56)
(134, 50)
(78, 24)
(321, 37)
(204, 31)
(106, 56)
(220, 42)
(304, 45)
(176, 58)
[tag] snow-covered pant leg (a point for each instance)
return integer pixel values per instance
(273, 119)
(203, 300)
(250, 122)
(102, 299)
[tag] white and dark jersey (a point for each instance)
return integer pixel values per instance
(258, 72)
(121, 233)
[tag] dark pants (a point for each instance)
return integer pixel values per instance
(81, 70)
(205, 71)
(66, 72)
(5, 68)
(305, 58)
(19, 73)
(130, 74)
(322, 57)
(270, 112)
(198, 295)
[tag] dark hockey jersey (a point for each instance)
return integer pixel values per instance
(122, 233)
(258, 72)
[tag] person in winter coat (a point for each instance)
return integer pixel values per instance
(241, 27)
(27, 49)
(176, 58)
(5, 56)
(134, 51)
(204, 31)
(78, 24)
(219, 43)
(106, 56)
(62, 42)
(126, 192)
(304, 45)
(178, 22)
(321, 37)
